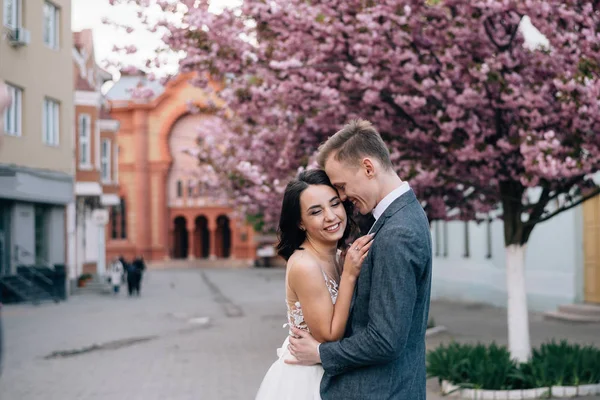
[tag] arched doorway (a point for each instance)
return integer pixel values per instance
(180, 238)
(223, 236)
(201, 237)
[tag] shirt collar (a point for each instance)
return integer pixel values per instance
(389, 199)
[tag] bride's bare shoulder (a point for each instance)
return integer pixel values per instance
(301, 264)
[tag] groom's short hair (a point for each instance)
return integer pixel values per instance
(355, 140)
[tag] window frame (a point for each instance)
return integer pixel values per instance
(179, 189)
(87, 163)
(52, 42)
(105, 160)
(115, 163)
(16, 14)
(51, 137)
(15, 108)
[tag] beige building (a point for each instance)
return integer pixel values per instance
(37, 149)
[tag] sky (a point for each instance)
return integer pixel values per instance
(88, 14)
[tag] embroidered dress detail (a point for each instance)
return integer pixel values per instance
(295, 316)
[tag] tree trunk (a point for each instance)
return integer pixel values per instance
(518, 317)
(516, 236)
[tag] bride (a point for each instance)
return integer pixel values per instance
(313, 229)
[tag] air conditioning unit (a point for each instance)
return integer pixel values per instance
(19, 37)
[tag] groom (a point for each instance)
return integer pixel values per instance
(382, 354)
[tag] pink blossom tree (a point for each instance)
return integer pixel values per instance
(476, 118)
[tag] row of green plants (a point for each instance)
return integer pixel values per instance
(490, 367)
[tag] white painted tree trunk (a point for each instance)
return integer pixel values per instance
(518, 317)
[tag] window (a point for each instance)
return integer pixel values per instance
(85, 150)
(123, 219)
(179, 189)
(51, 25)
(105, 165)
(190, 189)
(12, 13)
(12, 115)
(114, 223)
(200, 190)
(116, 164)
(51, 123)
(118, 220)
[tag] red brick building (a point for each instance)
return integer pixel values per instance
(162, 214)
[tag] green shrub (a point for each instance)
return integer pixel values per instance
(491, 367)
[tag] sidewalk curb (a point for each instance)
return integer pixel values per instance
(435, 330)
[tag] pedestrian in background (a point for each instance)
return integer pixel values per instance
(116, 273)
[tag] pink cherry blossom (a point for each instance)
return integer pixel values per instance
(474, 116)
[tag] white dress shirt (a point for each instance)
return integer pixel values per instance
(389, 199)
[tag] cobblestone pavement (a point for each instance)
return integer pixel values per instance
(160, 346)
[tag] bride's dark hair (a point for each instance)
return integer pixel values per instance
(290, 235)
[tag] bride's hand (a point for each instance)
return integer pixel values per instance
(356, 254)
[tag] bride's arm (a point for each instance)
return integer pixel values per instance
(327, 322)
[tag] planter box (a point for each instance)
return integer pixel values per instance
(453, 391)
(564, 391)
(449, 389)
(538, 393)
(588, 390)
(487, 395)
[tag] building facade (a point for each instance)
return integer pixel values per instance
(562, 264)
(36, 153)
(162, 213)
(96, 154)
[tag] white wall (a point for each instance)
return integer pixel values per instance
(72, 242)
(91, 238)
(554, 263)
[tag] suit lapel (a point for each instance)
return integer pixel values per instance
(396, 206)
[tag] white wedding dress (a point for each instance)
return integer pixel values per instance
(294, 382)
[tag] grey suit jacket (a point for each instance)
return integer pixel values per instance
(382, 354)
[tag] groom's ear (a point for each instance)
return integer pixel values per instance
(368, 167)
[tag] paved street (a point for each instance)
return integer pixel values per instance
(176, 359)
(160, 346)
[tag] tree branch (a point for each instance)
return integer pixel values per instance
(488, 25)
(562, 189)
(560, 210)
(536, 213)
(386, 96)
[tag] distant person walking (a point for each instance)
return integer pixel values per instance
(134, 275)
(116, 274)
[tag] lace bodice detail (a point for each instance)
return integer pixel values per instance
(295, 316)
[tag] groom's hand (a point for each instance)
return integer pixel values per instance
(304, 348)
